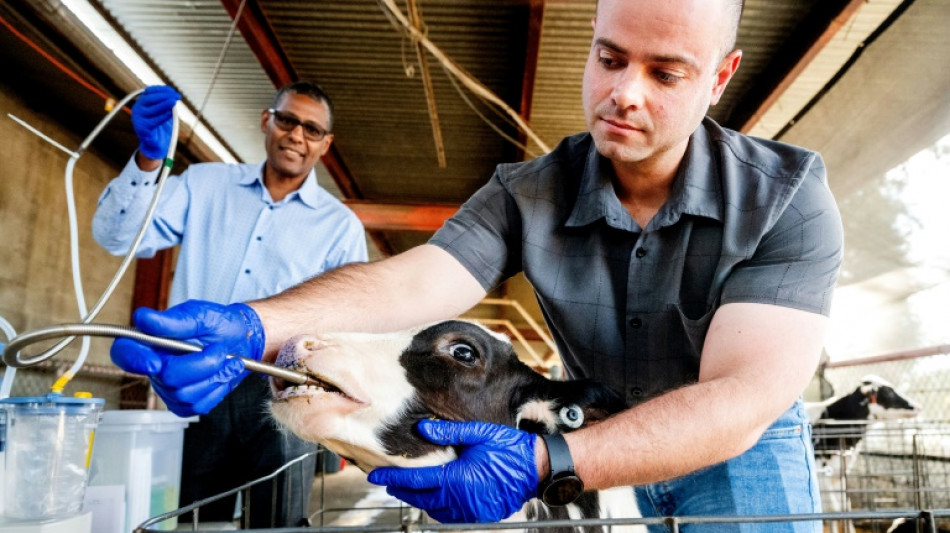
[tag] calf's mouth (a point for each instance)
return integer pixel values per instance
(284, 390)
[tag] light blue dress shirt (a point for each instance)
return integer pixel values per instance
(237, 244)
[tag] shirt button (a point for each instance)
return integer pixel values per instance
(636, 322)
(270, 207)
(636, 392)
(259, 238)
(247, 270)
(641, 252)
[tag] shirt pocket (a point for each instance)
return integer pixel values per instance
(694, 329)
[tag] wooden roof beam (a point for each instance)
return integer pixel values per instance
(813, 35)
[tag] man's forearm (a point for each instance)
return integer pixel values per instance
(670, 436)
(756, 361)
(416, 287)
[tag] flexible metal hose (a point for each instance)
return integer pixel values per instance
(12, 356)
(130, 256)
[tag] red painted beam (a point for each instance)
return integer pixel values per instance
(262, 40)
(401, 217)
(260, 37)
(535, 21)
(153, 281)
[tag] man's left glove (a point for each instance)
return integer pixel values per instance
(494, 475)
(193, 383)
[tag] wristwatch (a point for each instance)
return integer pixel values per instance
(562, 486)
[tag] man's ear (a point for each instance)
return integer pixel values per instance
(727, 67)
(265, 116)
(327, 141)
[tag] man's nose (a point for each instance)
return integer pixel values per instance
(630, 88)
(297, 132)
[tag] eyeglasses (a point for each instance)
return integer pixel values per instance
(288, 122)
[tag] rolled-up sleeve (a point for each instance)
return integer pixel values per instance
(122, 207)
(485, 235)
(797, 262)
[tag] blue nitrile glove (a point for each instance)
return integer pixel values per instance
(494, 475)
(152, 120)
(193, 383)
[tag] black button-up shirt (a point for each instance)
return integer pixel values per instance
(747, 220)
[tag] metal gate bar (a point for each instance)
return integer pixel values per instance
(910, 483)
(928, 518)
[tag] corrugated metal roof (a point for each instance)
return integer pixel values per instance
(891, 103)
(382, 127)
(824, 67)
(369, 67)
(184, 39)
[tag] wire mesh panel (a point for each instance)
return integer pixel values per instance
(883, 466)
(889, 465)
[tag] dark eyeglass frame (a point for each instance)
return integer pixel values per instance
(288, 122)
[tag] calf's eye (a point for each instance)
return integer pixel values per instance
(572, 416)
(462, 353)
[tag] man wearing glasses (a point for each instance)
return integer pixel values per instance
(246, 231)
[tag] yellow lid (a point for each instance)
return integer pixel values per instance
(82, 395)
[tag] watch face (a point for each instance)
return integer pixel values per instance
(562, 490)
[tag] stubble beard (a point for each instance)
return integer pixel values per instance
(617, 151)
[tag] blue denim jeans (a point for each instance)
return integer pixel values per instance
(776, 476)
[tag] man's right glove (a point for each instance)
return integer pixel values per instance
(152, 120)
(193, 383)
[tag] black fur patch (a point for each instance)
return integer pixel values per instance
(461, 372)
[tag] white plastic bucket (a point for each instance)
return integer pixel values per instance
(140, 450)
(46, 454)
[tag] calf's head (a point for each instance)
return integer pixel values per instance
(377, 386)
(874, 398)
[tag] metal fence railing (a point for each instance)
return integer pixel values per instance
(902, 473)
(900, 470)
(898, 464)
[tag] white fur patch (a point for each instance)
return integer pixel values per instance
(366, 367)
(541, 411)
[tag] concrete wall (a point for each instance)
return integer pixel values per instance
(36, 287)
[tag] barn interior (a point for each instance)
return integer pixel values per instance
(430, 96)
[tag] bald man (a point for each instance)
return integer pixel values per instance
(687, 265)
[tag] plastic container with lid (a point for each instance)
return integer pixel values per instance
(47, 447)
(141, 451)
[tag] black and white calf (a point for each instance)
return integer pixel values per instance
(377, 386)
(839, 425)
(873, 399)
(905, 525)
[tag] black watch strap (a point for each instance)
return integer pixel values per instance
(562, 486)
(559, 455)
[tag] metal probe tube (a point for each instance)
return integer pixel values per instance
(11, 351)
